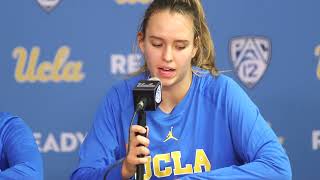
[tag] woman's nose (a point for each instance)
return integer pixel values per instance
(167, 54)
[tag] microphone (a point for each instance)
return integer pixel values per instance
(147, 94)
(146, 97)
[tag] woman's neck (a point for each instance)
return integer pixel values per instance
(172, 95)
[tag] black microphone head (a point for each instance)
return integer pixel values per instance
(147, 93)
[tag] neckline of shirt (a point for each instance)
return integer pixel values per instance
(179, 108)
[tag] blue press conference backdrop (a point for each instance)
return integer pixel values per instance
(58, 58)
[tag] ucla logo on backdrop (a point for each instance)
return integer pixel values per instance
(317, 54)
(122, 2)
(121, 64)
(48, 5)
(250, 58)
(28, 69)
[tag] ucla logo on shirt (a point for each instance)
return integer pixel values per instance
(250, 58)
(48, 5)
(153, 167)
(122, 2)
(317, 54)
(60, 69)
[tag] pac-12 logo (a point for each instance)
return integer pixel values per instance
(250, 58)
(48, 5)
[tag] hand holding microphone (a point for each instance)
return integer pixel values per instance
(138, 147)
(147, 97)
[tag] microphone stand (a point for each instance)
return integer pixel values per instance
(142, 122)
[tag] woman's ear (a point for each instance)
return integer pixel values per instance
(140, 38)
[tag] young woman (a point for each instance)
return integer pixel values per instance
(206, 126)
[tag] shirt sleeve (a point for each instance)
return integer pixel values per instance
(21, 151)
(254, 141)
(100, 149)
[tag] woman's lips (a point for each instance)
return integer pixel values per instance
(166, 72)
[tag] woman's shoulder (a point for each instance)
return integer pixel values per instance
(207, 80)
(121, 91)
(218, 86)
(5, 117)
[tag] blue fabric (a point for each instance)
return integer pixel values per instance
(218, 133)
(20, 157)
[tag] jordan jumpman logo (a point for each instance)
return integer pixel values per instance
(170, 136)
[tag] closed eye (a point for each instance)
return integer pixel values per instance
(181, 44)
(156, 45)
(180, 47)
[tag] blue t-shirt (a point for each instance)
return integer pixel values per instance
(20, 157)
(215, 132)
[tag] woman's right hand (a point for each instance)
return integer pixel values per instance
(138, 146)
